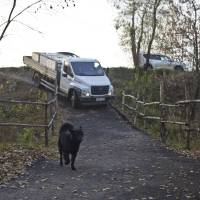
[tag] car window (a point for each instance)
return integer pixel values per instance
(67, 69)
(153, 56)
(165, 58)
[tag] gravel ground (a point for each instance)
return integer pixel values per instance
(115, 162)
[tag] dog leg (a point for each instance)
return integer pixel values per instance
(73, 161)
(66, 157)
(60, 152)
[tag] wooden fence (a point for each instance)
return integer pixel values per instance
(139, 108)
(48, 106)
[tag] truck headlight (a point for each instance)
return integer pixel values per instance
(111, 90)
(85, 93)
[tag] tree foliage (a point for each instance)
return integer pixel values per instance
(136, 23)
(171, 27)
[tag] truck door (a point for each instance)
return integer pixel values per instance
(66, 78)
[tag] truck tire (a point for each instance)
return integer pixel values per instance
(178, 68)
(36, 79)
(74, 100)
(147, 67)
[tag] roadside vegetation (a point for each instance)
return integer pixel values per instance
(146, 87)
(20, 146)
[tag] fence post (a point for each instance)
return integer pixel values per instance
(144, 111)
(187, 124)
(187, 107)
(136, 110)
(55, 104)
(162, 114)
(51, 116)
(123, 100)
(46, 123)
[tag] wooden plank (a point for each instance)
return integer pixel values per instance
(51, 101)
(129, 107)
(152, 117)
(188, 101)
(169, 105)
(173, 122)
(140, 102)
(21, 102)
(130, 96)
(162, 112)
(152, 103)
(23, 125)
(46, 128)
(123, 101)
(140, 114)
(52, 119)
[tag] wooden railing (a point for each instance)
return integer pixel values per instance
(138, 109)
(48, 106)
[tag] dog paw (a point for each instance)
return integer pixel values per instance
(73, 168)
(67, 163)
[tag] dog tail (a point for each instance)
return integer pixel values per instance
(66, 127)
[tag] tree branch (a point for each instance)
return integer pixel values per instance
(26, 8)
(9, 20)
(33, 29)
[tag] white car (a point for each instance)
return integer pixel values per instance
(159, 61)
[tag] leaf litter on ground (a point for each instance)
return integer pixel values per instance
(15, 159)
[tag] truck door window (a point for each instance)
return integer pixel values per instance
(68, 70)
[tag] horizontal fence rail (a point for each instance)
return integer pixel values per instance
(47, 125)
(185, 104)
(48, 105)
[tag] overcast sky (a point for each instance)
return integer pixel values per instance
(87, 30)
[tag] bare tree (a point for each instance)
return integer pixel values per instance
(12, 15)
(130, 25)
(179, 31)
(154, 21)
(137, 22)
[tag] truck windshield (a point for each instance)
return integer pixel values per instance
(87, 68)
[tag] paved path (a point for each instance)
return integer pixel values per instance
(115, 162)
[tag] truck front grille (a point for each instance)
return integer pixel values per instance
(99, 90)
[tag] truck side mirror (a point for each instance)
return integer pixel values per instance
(64, 74)
(107, 71)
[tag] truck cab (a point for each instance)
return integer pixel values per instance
(85, 82)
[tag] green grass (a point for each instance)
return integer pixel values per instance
(146, 86)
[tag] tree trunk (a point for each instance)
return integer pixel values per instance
(196, 46)
(154, 25)
(9, 20)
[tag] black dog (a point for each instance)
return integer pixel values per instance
(68, 143)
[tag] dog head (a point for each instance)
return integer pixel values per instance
(77, 134)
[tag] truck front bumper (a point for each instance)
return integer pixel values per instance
(96, 100)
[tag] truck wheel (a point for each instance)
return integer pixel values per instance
(74, 100)
(179, 68)
(36, 79)
(147, 67)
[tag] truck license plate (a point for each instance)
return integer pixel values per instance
(100, 99)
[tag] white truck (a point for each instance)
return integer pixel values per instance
(81, 80)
